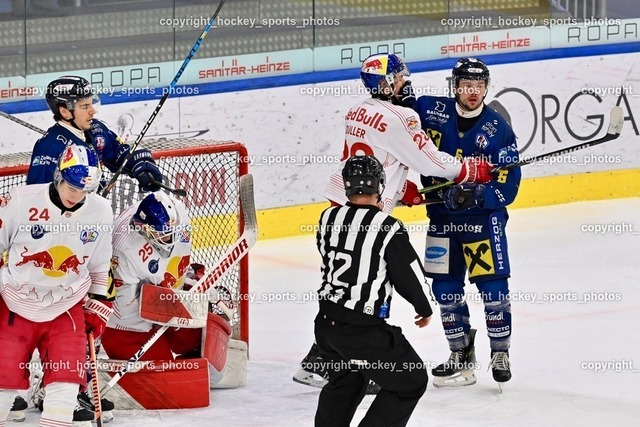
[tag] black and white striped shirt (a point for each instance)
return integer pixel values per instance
(366, 254)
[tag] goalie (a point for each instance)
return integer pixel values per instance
(151, 272)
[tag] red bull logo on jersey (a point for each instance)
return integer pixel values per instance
(56, 261)
(42, 259)
(72, 263)
(4, 200)
(176, 269)
(361, 115)
(412, 123)
(115, 262)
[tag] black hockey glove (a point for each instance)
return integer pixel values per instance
(406, 97)
(143, 168)
(463, 196)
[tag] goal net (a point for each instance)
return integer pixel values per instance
(209, 171)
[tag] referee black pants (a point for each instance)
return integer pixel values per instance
(353, 355)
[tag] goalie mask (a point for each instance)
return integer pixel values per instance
(363, 175)
(158, 221)
(379, 71)
(66, 92)
(79, 167)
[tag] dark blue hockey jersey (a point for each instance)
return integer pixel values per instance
(47, 149)
(491, 137)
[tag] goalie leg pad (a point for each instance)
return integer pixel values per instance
(216, 340)
(159, 384)
(173, 307)
(234, 373)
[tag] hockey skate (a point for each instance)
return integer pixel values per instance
(313, 372)
(82, 417)
(83, 413)
(458, 370)
(500, 367)
(86, 402)
(17, 410)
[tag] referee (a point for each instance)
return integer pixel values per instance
(365, 255)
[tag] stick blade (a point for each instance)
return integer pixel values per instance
(616, 120)
(248, 204)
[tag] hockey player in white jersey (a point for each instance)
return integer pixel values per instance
(151, 244)
(392, 133)
(380, 127)
(151, 249)
(54, 282)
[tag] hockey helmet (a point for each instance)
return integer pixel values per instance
(363, 175)
(157, 220)
(379, 70)
(79, 167)
(68, 90)
(470, 69)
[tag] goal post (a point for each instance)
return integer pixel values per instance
(209, 171)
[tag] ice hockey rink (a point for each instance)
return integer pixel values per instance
(574, 350)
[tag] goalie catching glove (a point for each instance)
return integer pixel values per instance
(96, 315)
(474, 170)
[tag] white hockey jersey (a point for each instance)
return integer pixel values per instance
(393, 135)
(51, 255)
(136, 262)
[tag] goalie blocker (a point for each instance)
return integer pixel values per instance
(180, 383)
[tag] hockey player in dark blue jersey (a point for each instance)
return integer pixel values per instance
(71, 99)
(467, 232)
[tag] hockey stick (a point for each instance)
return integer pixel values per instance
(177, 191)
(95, 387)
(229, 259)
(22, 122)
(616, 120)
(146, 126)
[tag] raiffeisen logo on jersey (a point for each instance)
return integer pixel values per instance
(360, 115)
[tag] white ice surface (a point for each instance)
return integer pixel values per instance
(550, 255)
